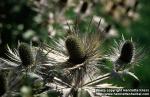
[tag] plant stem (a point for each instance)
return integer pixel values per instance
(99, 79)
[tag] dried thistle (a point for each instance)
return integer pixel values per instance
(75, 60)
(126, 55)
(26, 56)
(83, 9)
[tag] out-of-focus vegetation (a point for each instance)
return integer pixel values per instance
(37, 20)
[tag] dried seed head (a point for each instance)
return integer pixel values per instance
(127, 52)
(2, 85)
(25, 54)
(84, 7)
(75, 50)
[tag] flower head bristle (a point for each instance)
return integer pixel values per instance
(127, 52)
(25, 54)
(2, 85)
(75, 50)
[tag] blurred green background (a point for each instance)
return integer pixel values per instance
(26, 20)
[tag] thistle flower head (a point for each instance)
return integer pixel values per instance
(25, 57)
(22, 61)
(25, 54)
(124, 54)
(75, 50)
(127, 52)
(84, 7)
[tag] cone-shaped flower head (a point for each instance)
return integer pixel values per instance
(25, 54)
(126, 55)
(84, 7)
(127, 52)
(75, 50)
